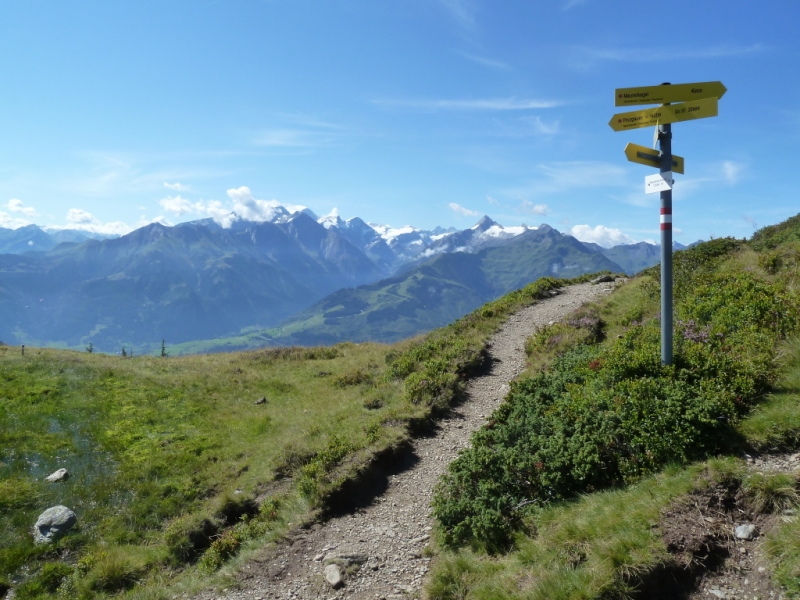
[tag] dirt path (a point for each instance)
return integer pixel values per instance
(380, 548)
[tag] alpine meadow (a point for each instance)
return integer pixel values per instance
(183, 467)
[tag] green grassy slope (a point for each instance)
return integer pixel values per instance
(428, 296)
(522, 513)
(175, 467)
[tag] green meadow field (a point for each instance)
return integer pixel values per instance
(183, 466)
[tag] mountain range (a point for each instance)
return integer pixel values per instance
(294, 279)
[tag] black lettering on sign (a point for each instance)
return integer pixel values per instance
(693, 108)
(697, 90)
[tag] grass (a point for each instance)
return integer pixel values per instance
(602, 544)
(155, 444)
(597, 546)
(178, 472)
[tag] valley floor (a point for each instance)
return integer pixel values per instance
(380, 547)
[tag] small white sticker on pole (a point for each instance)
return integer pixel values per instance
(660, 182)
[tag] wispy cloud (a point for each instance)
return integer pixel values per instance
(293, 138)
(559, 177)
(732, 171)
(543, 127)
(573, 3)
(488, 104)
(178, 187)
(463, 11)
(586, 56)
(751, 221)
(536, 209)
(486, 62)
(460, 210)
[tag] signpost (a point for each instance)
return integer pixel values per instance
(660, 182)
(673, 113)
(666, 94)
(697, 101)
(651, 158)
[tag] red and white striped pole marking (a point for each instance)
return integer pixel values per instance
(666, 218)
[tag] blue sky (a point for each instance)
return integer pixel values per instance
(420, 112)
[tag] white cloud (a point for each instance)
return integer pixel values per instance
(82, 220)
(161, 220)
(18, 206)
(460, 210)
(181, 206)
(498, 104)
(178, 187)
(78, 216)
(252, 209)
(492, 201)
(8, 221)
(536, 209)
(601, 235)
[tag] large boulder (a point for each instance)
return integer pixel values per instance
(53, 523)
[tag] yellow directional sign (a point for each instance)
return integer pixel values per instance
(665, 94)
(652, 158)
(661, 115)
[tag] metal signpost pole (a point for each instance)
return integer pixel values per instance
(665, 145)
(695, 101)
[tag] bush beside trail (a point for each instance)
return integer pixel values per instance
(608, 415)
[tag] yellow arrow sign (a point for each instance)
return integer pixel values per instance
(661, 115)
(665, 94)
(652, 158)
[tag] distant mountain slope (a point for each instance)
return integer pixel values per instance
(634, 257)
(34, 238)
(178, 283)
(436, 292)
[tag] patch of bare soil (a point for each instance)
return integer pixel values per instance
(715, 540)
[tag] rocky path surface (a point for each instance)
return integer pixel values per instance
(378, 550)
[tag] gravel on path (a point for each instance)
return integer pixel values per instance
(379, 549)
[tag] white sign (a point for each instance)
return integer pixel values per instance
(660, 182)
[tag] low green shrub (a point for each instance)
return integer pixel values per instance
(606, 416)
(315, 473)
(433, 367)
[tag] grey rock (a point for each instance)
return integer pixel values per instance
(745, 532)
(262, 400)
(333, 575)
(60, 475)
(53, 523)
(603, 279)
(347, 557)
